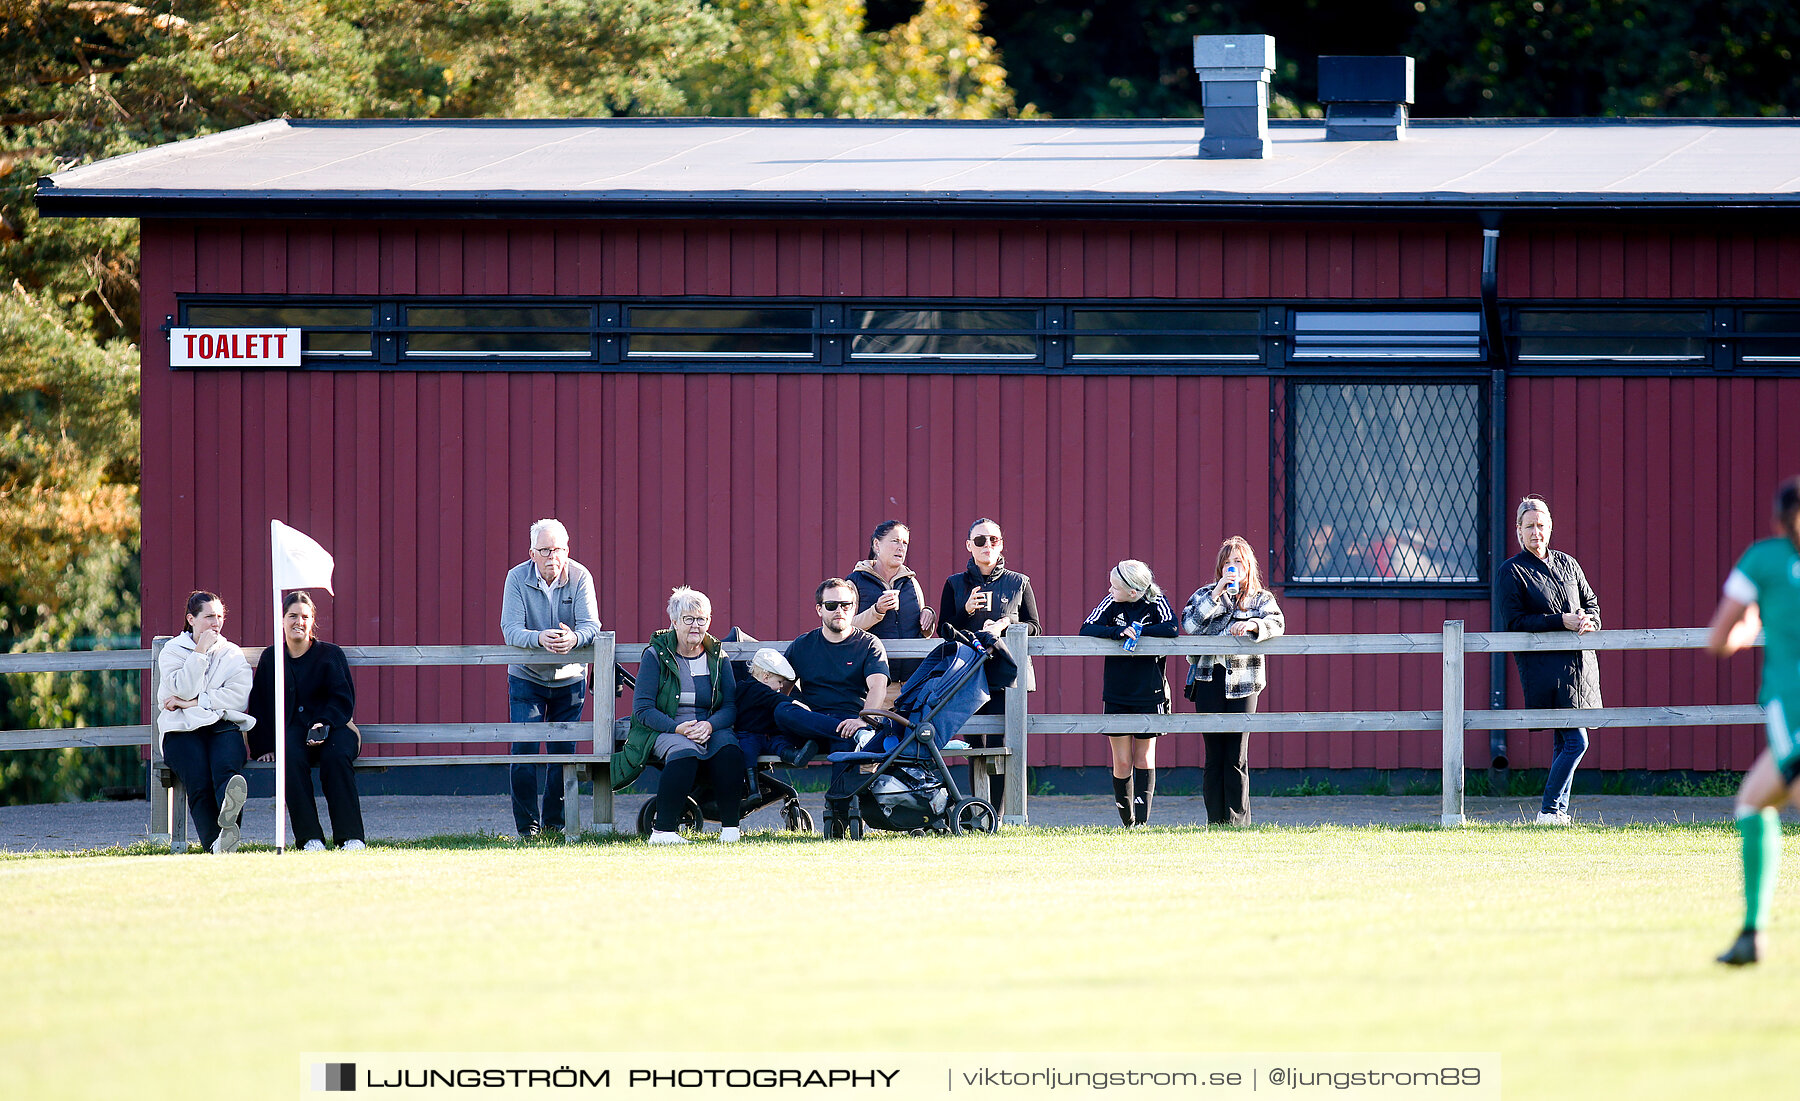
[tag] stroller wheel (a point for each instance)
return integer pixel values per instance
(691, 818)
(973, 816)
(834, 828)
(856, 829)
(797, 818)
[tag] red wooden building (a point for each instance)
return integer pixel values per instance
(722, 351)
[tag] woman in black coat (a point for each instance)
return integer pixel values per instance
(319, 699)
(1545, 590)
(986, 596)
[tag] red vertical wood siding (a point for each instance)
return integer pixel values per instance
(753, 487)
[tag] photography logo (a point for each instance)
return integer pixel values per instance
(334, 1077)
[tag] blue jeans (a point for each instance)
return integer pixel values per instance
(1570, 745)
(802, 724)
(531, 702)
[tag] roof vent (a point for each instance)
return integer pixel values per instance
(1365, 98)
(1233, 70)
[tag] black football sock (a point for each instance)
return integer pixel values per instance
(1122, 796)
(1144, 779)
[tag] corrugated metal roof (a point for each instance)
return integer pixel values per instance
(285, 167)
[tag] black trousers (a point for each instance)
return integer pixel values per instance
(206, 759)
(1225, 784)
(996, 705)
(333, 758)
(724, 770)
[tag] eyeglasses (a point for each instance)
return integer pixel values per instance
(695, 620)
(549, 550)
(835, 605)
(984, 540)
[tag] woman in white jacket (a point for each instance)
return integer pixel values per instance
(201, 699)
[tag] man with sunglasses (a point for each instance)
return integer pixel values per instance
(548, 605)
(843, 671)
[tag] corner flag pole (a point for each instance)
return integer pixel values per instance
(296, 561)
(280, 709)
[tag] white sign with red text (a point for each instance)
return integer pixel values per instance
(234, 347)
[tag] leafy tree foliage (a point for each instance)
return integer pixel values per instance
(816, 59)
(1611, 57)
(1134, 58)
(69, 518)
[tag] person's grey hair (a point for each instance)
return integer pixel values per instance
(686, 601)
(1134, 575)
(1529, 504)
(548, 525)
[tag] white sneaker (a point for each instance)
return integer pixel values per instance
(313, 846)
(236, 791)
(1546, 819)
(214, 848)
(728, 834)
(665, 837)
(353, 845)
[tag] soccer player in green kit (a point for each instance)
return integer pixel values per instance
(1766, 585)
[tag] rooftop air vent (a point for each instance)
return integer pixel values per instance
(1365, 98)
(1233, 70)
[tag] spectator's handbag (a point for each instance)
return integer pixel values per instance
(1192, 688)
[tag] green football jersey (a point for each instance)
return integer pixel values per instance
(1772, 567)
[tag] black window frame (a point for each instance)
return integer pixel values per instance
(1285, 548)
(1726, 339)
(1055, 333)
(831, 330)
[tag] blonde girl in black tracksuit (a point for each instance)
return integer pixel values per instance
(1134, 608)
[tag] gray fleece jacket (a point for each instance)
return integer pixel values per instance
(530, 606)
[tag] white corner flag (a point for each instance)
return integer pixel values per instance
(298, 562)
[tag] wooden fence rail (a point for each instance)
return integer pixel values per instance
(1016, 726)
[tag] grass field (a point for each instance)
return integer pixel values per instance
(1582, 956)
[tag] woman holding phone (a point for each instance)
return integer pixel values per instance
(988, 597)
(1234, 605)
(319, 699)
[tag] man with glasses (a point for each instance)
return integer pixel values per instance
(843, 671)
(548, 604)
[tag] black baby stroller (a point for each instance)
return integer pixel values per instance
(901, 782)
(766, 789)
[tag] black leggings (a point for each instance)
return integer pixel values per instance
(724, 769)
(1226, 780)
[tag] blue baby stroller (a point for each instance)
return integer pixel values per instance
(901, 782)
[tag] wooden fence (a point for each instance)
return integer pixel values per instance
(1017, 726)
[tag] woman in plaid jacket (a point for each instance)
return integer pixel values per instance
(1237, 604)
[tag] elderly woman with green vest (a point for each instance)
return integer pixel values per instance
(681, 719)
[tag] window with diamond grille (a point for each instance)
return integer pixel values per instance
(1385, 483)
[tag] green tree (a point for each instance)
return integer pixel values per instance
(69, 516)
(816, 59)
(1569, 58)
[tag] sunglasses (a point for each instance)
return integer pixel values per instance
(834, 605)
(984, 540)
